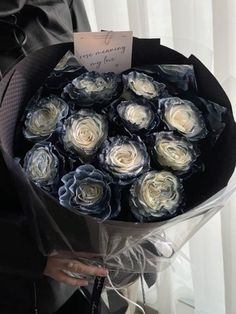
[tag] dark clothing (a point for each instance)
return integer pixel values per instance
(22, 284)
(44, 22)
(19, 254)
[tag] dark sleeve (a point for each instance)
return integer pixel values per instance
(19, 254)
(8, 7)
(79, 16)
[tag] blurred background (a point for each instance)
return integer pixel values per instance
(202, 280)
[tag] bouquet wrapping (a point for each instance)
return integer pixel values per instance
(125, 246)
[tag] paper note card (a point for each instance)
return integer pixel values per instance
(104, 51)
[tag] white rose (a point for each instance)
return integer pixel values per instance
(44, 117)
(135, 114)
(143, 85)
(41, 165)
(185, 117)
(84, 132)
(159, 190)
(89, 193)
(89, 86)
(125, 158)
(174, 152)
(43, 121)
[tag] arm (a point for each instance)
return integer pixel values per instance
(19, 254)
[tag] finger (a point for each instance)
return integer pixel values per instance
(56, 262)
(81, 268)
(62, 277)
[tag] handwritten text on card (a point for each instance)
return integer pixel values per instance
(104, 51)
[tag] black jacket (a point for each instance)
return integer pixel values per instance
(22, 283)
(44, 22)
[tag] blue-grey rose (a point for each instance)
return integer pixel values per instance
(65, 71)
(156, 195)
(136, 116)
(84, 132)
(124, 158)
(88, 190)
(93, 88)
(180, 74)
(44, 117)
(143, 85)
(174, 152)
(43, 164)
(184, 117)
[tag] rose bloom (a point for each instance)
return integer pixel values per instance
(88, 190)
(42, 165)
(174, 152)
(93, 88)
(44, 117)
(143, 85)
(124, 158)
(156, 194)
(84, 132)
(137, 116)
(183, 116)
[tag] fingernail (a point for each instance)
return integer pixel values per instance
(70, 265)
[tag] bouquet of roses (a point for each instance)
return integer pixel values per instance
(107, 138)
(121, 169)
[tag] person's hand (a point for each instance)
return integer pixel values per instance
(56, 265)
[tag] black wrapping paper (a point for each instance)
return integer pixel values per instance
(121, 246)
